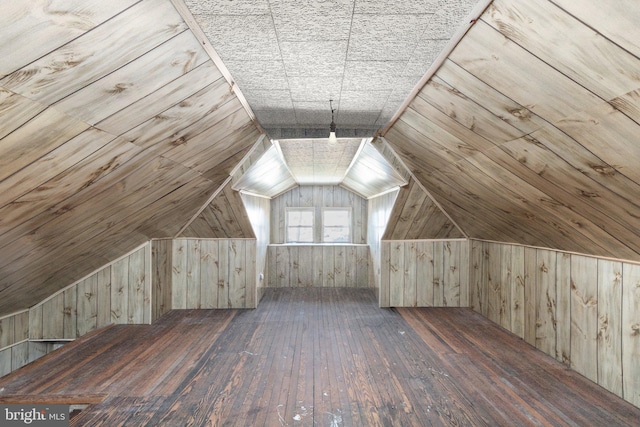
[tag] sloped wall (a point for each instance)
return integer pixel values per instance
(224, 217)
(117, 293)
(582, 310)
(416, 216)
(319, 196)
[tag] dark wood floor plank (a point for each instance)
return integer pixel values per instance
(315, 357)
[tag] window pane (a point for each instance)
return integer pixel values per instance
(299, 218)
(336, 234)
(336, 225)
(300, 234)
(299, 225)
(335, 217)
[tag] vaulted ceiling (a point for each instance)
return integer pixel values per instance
(119, 122)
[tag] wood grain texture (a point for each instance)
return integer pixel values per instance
(416, 216)
(209, 273)
(370, 367)
(318, 266)
(425, 273)
(575, 308)
(538, 156)
(630, 335)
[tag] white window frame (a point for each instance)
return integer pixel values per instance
(286, 225)
(349, 224)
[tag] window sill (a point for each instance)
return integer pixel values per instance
(318, 244)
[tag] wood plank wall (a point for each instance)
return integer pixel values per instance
(424, 273)
(259, 212)
(582, 310)
(319, 266)
(120, 293)
(379, 210)
(117, 293)
(162, 261)
(212, 273)
(416, 216)
(319, 196)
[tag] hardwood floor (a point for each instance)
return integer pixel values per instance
(315, 356)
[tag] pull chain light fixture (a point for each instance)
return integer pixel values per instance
(332, 135)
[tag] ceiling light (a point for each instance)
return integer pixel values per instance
(332, 134)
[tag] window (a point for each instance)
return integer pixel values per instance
(299, 225)
(336, 225)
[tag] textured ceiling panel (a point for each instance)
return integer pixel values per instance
(322, 50)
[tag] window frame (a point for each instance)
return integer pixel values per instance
(287, 226)
(349, 211)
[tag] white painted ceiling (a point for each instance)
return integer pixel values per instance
(290, 57)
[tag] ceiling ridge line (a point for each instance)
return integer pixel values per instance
(472, 18)
(427, 192)
(200, 35)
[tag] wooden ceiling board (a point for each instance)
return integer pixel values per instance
(90, 216)
(15, 111)
(628, 104)
(559, 165)
(115, 131)
(468, 113)
(80, 62)
(201, 152)
(430, 223)
(569, 184)
(453, 201)
(406, 207)
(370, 173)
(165, 128)
(226, 217)
(484, 96)
(169, 95)
(498, 61)
(608, 134)
(221, 171)
(426, 153)
(51, 165)
(514, 166)
(48, 195)
(481, 217)
(45, 132)
(616, 21)
(550, 210)
(53, 24)
(595, 63)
